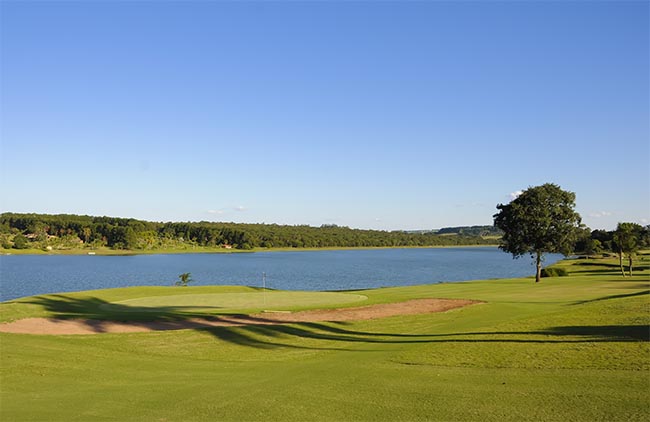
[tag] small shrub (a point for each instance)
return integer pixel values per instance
(184, 279)
(554, 272)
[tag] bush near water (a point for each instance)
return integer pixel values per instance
(554, 272)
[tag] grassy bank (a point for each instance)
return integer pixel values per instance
(203, 249)
(568, 348)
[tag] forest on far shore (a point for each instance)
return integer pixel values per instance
(67, 231)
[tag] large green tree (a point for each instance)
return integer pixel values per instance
(540, 220)
(627, 239)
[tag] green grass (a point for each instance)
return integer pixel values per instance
(223, 302)
(569, 348)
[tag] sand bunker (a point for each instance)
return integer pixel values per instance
(53, 326)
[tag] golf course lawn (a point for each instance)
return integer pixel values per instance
(573, 348)
(223, 302)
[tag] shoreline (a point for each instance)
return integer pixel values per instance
(204, 250)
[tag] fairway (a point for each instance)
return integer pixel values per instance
(568, 348)
(272, 300)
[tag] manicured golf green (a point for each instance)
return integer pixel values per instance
(210, 302)
(569, 348)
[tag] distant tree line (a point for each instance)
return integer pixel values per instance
(472, 231)
(80, 231)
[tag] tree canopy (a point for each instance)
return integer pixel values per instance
(627, 239)
(540, 220)
(77, 231)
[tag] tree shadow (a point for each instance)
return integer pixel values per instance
(595, 264)
(258, 336)
(642, 293)
(612, 332)
(637, 286)
(263, 332)
(66, 307)
(605, 267)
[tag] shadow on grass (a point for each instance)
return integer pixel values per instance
(611, 272)
(606, 268)
(66, 307)
(335, 338)
(266, 333)
(643, 293)
(591, 263)
(633, 332)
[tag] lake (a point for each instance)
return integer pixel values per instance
(27, 275)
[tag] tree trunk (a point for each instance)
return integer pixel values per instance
(620, 262)
(629, 260)
(538, 274)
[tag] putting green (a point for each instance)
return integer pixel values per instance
(234, 301)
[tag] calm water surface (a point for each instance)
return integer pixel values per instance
(27, 275)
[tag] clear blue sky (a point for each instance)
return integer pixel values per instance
(386, 115)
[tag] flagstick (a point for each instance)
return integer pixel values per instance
(264, 288)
